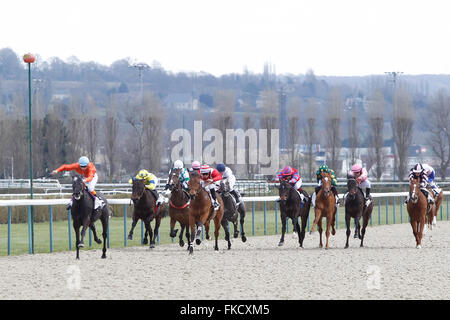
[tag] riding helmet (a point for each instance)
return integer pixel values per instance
(83, 161)
(220, 167)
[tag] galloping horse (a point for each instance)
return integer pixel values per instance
(417, 210)
(201, 212)
(325, 208)
(434, 212)
(178, 208)
(145, 209)
(232, 210)
(82, 207)
(355, 208)
(291, 206)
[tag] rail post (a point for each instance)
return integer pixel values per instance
(51, 227)
(265, 220)
(69, 215)
(125, 225)
(9, 230)
(253, 218)
(30, 231)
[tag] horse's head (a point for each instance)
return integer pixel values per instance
(224, 187)
(352, 188)
(284, 189)
(326, 183)
(414, 186)
(77, 187)
(194, 184)
(137, 189)
(175, 179)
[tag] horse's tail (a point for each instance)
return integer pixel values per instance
(163, 211)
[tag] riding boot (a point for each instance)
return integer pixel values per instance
(236, 196)
(428, 195)
(368, 197)
(313, 199)
(69, 205)
(407, 199)
(213, 195)
(336, 195)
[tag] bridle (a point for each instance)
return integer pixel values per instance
(139, 196)
(413, 197)
(77, 195)
(352, 190)
(326, 192)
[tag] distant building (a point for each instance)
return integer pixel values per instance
(181, 101)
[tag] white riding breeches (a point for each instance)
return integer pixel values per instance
(91, 184)
(231, 181)
(365, 184)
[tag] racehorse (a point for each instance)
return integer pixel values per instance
(417, 209)
(355, 208)
(178, 208)
(145, 209)
(201, 212)
(432, 214)
(325, 208)
(291, 206)
(81, 211)
(232, 210)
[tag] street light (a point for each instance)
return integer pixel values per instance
(29, 59)
(140, 67)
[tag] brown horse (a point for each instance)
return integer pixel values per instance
(432, 214)
(417, 210)
(178, 207)
(325, 208)
(201, 212)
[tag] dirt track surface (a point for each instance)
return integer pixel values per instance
(388, 267)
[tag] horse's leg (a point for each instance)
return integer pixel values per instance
(319, 225)
(147, 227)
(94, 232)
(104, 233)
(217, 223)
(157, 224)
(283, 229)
(227, 232)
(198, 232)
(173, 232)
(235, 225)
(133, 225)
(181, 235)
(301, 236)
(86, 224)
(358, 226)
(414, 228)
(297, 227)
(347, 224)
(150, 233)
(188, 237)
(327, 232)
(420, 228)
(333, 222)
(241, 221)
(316, 219)
(206, 225)
(76, 227)
(363, 231)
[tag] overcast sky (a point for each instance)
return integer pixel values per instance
(331, 37)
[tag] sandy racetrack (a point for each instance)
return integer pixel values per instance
(389, 267)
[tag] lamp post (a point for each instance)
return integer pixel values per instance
(29, 59)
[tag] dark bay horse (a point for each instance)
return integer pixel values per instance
(291, 206)
(417, 210)
(178, 208)
(81, 211)
(355, 208)
(432, 214)
(145, 209)
(231, 210)
(201, 212)
(325, 208)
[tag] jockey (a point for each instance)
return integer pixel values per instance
(150, 182)
(418, 171)
(430, 174)
(183, 174)
(293, 177)
(324, 168)
(228, 175)
(360, 175)
(89, 172)
(210, 181)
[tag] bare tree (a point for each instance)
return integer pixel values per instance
(439, 137)
(111, 134)
(269, 116)
(152, 121)
(248, 123)
(294, 128)
(309, 133)
(353, 133)
(224, 116)
(333, 121)
(376, 124)
(402, 129)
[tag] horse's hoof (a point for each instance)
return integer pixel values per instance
(198, 241)
(333, 232)
(152, 245)
(81, 245)
(104, 256)
(346, 246)
(355, 236)
(145, 241)
(236, 235)
(173, 233)
(244, 238)
(98, 241)
(280, 243)
(181, 243)
(361, 245)
(229, 246)
(207, 237)
(191, 250)
(130, 237)
(419, 246)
